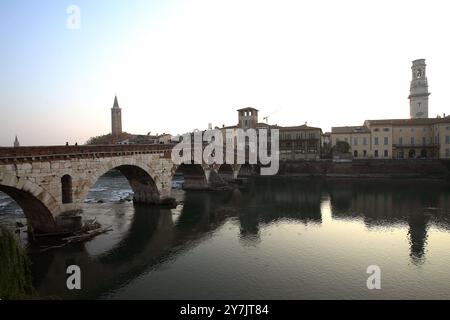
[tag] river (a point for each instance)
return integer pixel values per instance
(272, 238)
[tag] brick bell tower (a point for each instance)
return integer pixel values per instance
(116, 119)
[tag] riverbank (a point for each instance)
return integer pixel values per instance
(370, 168)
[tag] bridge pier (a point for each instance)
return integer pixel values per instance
(213, 177)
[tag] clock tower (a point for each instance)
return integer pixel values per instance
(418, 98)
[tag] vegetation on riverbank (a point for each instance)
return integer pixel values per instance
(15, 274)
(107, 139)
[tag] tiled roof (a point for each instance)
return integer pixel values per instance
(351, 129)
(247, 109)
(408, 122)
(302, 127)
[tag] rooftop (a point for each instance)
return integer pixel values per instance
(116, 103)
(248, 109)
(302, 127)
(408, 122)
(350, 129)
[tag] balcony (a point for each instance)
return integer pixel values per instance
(416, 146)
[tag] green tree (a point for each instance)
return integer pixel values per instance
(341, 147)
(15, 274)
(107, 139)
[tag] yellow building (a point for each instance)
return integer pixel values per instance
(358, 138)
(420, 138)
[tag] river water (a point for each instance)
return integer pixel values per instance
(272, 238)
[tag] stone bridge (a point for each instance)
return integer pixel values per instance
(50, 184)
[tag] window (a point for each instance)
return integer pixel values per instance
(365, 141)
(66, 189)
(365, 153)
(447, 152)
(375, 141)
(386, 129)
(400, 141)
(424, 141)
(376, 154)
(355, 153)
(376, 129)
(419, 73)
(412, 140)
(386, 153)
(423, 153)
(401, 154)
(386, 141)
(355, 141)
(447, 139)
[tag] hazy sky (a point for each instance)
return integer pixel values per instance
(179, 65)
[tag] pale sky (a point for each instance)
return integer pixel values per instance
(179, 65)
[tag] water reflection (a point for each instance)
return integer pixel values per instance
(153, 239)
(389, 203)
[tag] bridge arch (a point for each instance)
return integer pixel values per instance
(195, 177)
(246, 170)
(226, 172)
(139, 176)
(38, 205)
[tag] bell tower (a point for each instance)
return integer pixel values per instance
(116, 119)
(418, 98)
(248, 118)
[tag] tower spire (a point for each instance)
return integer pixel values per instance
(16, 142)
(116, 103)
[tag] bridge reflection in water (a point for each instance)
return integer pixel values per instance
(156, 238)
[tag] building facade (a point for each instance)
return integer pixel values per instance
(358, 138)
(410, 138)
(295, 142)
(418, 137)
(300, 143)
(397, 138)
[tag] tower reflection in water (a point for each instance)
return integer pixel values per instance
(154, 239)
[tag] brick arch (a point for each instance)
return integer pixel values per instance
(38, 205)
(226, 172)
(245, 170)
(194, 175)
(143, 183)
